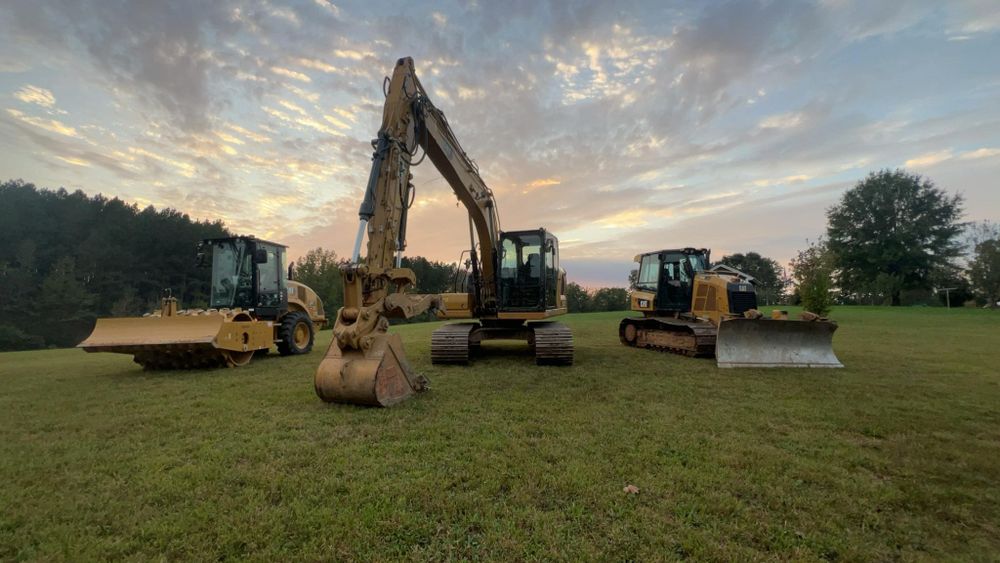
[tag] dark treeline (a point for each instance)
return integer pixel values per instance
(66, 259)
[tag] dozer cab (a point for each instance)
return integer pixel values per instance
(253, 305)
(691, 309)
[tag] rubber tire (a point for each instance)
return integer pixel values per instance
(286, 334)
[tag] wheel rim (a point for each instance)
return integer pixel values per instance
(301, 335)
(630, 333)
(237, 359)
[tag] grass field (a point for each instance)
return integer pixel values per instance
(895, 457)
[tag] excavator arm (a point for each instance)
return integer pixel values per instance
(364, 364)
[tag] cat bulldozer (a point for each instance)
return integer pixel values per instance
(253, 306)
(513, 289)
(691, 309)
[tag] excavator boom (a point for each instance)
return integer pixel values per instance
(364, 364)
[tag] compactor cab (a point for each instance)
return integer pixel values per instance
(247, 273)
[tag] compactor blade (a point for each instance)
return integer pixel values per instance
(172, 342)
(747, 343)
(118, 334)
(378, 375)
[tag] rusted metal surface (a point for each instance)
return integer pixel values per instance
(376, 375)
(744, 343)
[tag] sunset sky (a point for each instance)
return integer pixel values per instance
(620, 126)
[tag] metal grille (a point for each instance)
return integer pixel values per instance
(741, 301)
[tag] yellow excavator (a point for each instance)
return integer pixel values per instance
(253, 306)
(692, 309)
(513, 288)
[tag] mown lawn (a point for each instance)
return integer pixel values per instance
(895, 457)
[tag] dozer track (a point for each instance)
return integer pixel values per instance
(669, 334)
(553, 344)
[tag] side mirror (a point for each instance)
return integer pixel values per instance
(260, 256)
(201, 260)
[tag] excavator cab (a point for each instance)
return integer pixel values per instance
(528, 271)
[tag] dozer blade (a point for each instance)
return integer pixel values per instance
(749, 343)
(379, 376)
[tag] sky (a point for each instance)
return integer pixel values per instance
(620, 126)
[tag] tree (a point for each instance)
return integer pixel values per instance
(812, 270)
(610, 299)
(893, 229)
(765, 271)
(984, 270)
(320, 270)
(577, 298)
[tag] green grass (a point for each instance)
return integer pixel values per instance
(895, 457)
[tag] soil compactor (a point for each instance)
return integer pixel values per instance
(514, 287)
(691, 309)
(252, 307)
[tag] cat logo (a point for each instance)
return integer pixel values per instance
(643, 303)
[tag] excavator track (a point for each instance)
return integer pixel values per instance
(450, 343)
(668, 334)
(553, 343)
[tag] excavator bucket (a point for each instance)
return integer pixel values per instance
(748, 343)
(378, 375)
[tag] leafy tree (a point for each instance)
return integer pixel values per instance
(984, 270)
(812, 270)
(118, 257)
(320, 270)
(432, 277)
(765, 271)
(64, 304)
(893, 229)
(577, 298)
(610, 299)
(633, 278)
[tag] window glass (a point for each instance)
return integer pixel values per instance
(508, 260)
(551, 267)
(269, 272)
(227, 274)
(648, 272)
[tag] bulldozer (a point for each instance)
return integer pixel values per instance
(692, 309)
(252, 307)
(512, 290)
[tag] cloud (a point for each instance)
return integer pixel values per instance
(781, 121)
(980, 153)
(52, 125)
(295, 75)
(928, 159)
(34, 95)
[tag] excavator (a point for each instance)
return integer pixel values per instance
(513, 289)
(253, 305)
(692, 309)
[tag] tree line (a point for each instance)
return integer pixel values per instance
(66, 258)
(895, 238)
